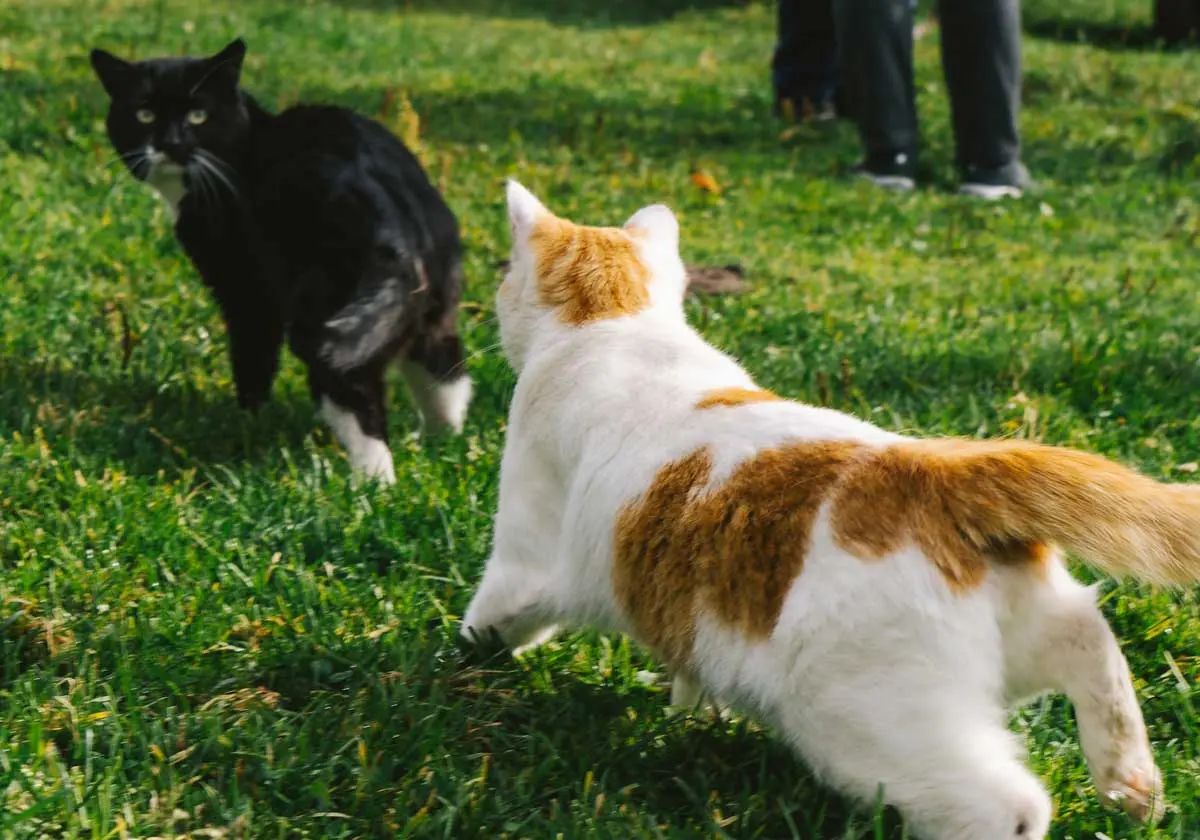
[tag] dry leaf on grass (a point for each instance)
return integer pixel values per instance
(706, 182)
(716, 279)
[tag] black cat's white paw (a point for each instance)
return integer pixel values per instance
(369, 455)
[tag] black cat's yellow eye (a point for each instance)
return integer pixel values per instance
(196, 116)
(145, 116)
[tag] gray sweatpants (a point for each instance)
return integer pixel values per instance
(981, 59)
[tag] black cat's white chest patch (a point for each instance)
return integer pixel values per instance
(167, 179)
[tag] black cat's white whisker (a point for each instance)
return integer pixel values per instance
(462, 366)
(206, 194)
(217, 162)
(215, 165)
(128, 158)
(209, 188)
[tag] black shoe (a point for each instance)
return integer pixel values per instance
(890, 170)
(1008, 181)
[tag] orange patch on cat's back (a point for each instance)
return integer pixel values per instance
(942, 496)
(589, 274)
(731, 552)
(728, 397)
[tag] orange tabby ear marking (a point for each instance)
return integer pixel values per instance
(736, 396)
(589, 274)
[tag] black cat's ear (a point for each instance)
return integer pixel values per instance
(225, 67)
(115, 74)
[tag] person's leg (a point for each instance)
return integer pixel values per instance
(981, 57)
(804, 68)
(875, 51)
(1176, 20)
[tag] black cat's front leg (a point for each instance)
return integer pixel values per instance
(255, 338)
(243, 279)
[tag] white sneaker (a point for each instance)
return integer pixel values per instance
(1008, 181)
(889, 171)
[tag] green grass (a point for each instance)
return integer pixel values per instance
(206, 627)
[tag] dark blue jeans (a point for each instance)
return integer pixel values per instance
(805, 62)
(981, 60)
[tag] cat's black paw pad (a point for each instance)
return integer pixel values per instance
(479, 647)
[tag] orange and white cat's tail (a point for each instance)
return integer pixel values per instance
(989, 495)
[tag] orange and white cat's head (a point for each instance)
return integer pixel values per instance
(568, 276)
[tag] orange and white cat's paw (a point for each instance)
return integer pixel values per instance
(688, 696)
(1137, 790)
(528, 639)
(685, 694)
(1121, 761)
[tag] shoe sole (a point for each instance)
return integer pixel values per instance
(896, 183)
(990, 192)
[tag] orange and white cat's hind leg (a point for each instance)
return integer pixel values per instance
(685, 692)
(935, 747)
(688, 696)
(1057, 639)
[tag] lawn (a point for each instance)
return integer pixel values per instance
(208, 629)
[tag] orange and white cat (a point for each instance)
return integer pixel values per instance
(881, 600)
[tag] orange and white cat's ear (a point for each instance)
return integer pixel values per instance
(659, 222)
(524, 211)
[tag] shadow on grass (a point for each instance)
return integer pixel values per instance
(1170, 24)
(545, 732)
(1111, 35)
(1132, 377)
(545, 115)
(546, 119)
(558, 750)
(149, 425)
(585, 13)
(143, 424)
(686, 769)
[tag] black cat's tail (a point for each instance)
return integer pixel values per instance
(374, 318)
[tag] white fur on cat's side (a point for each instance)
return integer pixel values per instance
(368, 454)
(877, 673)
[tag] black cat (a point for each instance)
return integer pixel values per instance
(316, 223)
